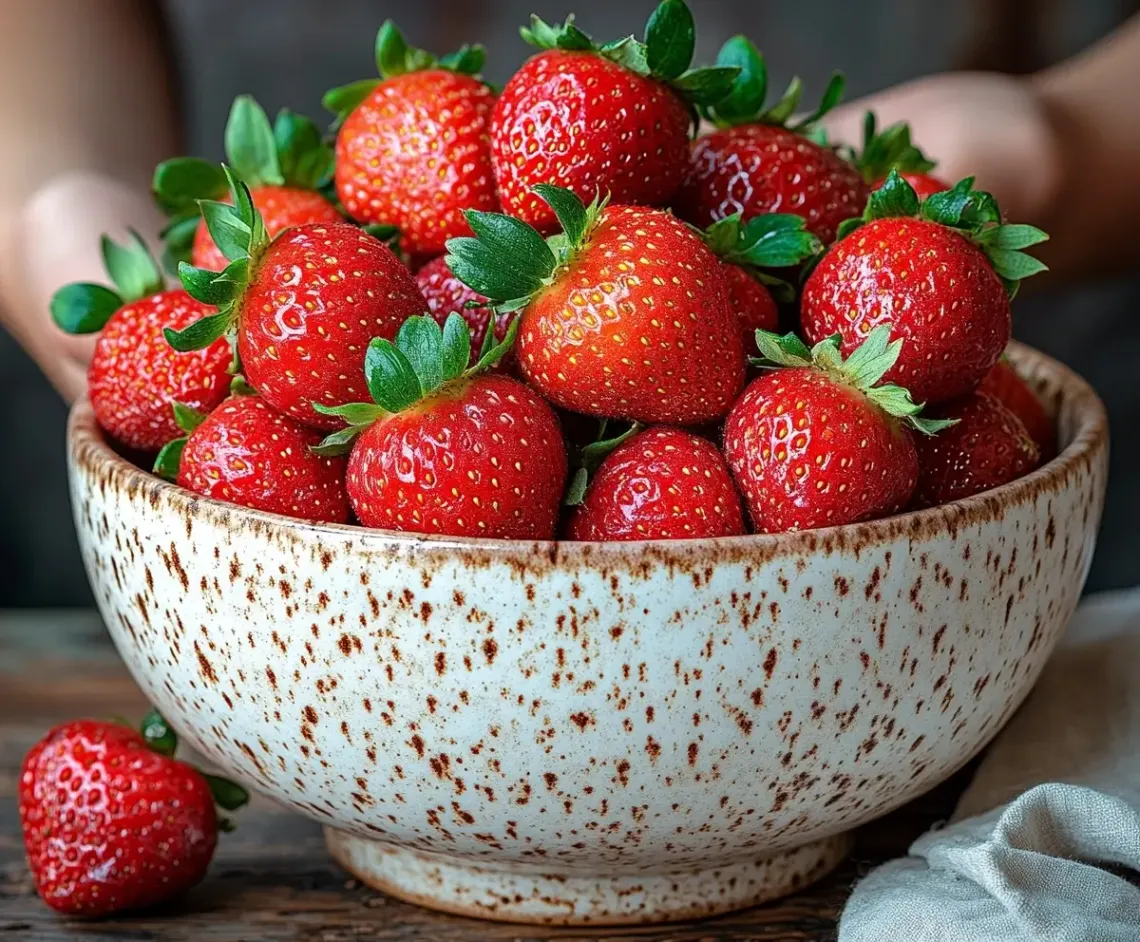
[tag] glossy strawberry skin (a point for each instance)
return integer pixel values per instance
(924, 184)
(1017, 396)
(583, 122)
(809, 452)
(416, 153)
(110, 825)
(446, 294)
(483, 458)
(753, 304)
(620, 334)
(987, 447)
(281, 208)
(247, 453)
(933, 286)
(316, 299)
(758, 168)
(662, 484)
(134, 374)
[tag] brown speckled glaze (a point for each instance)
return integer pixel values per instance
(592, 733)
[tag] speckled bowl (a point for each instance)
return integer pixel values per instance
(592, 733)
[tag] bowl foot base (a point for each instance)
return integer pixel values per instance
(573, 900)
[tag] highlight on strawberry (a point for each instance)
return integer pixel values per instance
(112, 821)
(287, 166)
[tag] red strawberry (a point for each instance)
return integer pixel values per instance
(1017, 396)
(748, 253)
(446, 294)
(611, 120)
(304, 306)
(608, 326)
(988, 446)
(284, 165)
(891, 149)
(248, 454)
(660, 484)
(449, 449)
(940, 274)
(134, 375)
(414, 146)
(111, 822)
(754, 164)
(819, 443)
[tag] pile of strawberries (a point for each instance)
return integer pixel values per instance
(551, 312)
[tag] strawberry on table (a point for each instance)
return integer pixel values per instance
(1017, 396)
(940, 273)
(986, 447)
(134, 374)
(819, 441)
(749, 252)
(445, 294)
(285, 165)
(303, 307)
(112, 822)
(413, 149)
(449, 448)
(611, 119)
(658, 484)
(246, 453)
(625, 315)
(755, 162)
(892, 149)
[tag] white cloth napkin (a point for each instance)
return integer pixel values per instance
(1054, 807)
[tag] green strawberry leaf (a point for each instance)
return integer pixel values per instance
(628, 53)
(420, 339)
(706, 85)
(1012, 237)
(306, 160)
(946, 208)
(201, 333)
(239, 386)
(890, 149)
(589, 458)
(576, 489)
(467, 60)
(346, 99)
(505, 260)
(206, 286)
(896, 401)
(495, 353)
(776, 240)
(178, 240)
(895, 198)
(783, 291)
(391, 378)
(788, 104)
(1014, 266)
(670, 38)
(250, 145)
(83, 308)
(569, 209)
(723, 236)
(832, 96)
(168, 461)
(231, 234)
(338, 443)
(872, 358)
(229, 796)
(186, 418)
(745, 100)
(776, 351)
(179, 183)
(456, 345)
(384, 231)
(566, 36)
(391, 51)
(846, 227)
(159, 736)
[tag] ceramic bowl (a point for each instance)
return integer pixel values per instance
(583, 733)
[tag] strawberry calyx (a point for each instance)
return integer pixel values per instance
(395, 57)
(587, 459)
(508, 261)
(862, 370)
(744, 101)
(665, 53)
(772, 241)
(887, 150)
(973, 213)
(84, 308)
(290, 152)
(424, 359)
(169, 459)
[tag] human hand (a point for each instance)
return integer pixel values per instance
(54, 240)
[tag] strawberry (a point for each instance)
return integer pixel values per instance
(660, 484)
(446, 294)
(1016, 395)
(246, 453)
(748, 252)
(939, 273)
(756, 163)
(607, 325)
(891, 149)
(134, 375)
(988, 446)
(413, 149)
(112, 822)
(285, 165)
(819, 442)
(303, 307)
(448, 448)
(610, 119)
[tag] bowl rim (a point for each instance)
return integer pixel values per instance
(90, 454)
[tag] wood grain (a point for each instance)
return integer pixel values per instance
(272, 880)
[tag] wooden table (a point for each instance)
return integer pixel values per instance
(272, 880)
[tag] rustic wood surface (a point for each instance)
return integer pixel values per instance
(272, 880)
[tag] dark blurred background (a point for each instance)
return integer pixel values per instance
(286, 52)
